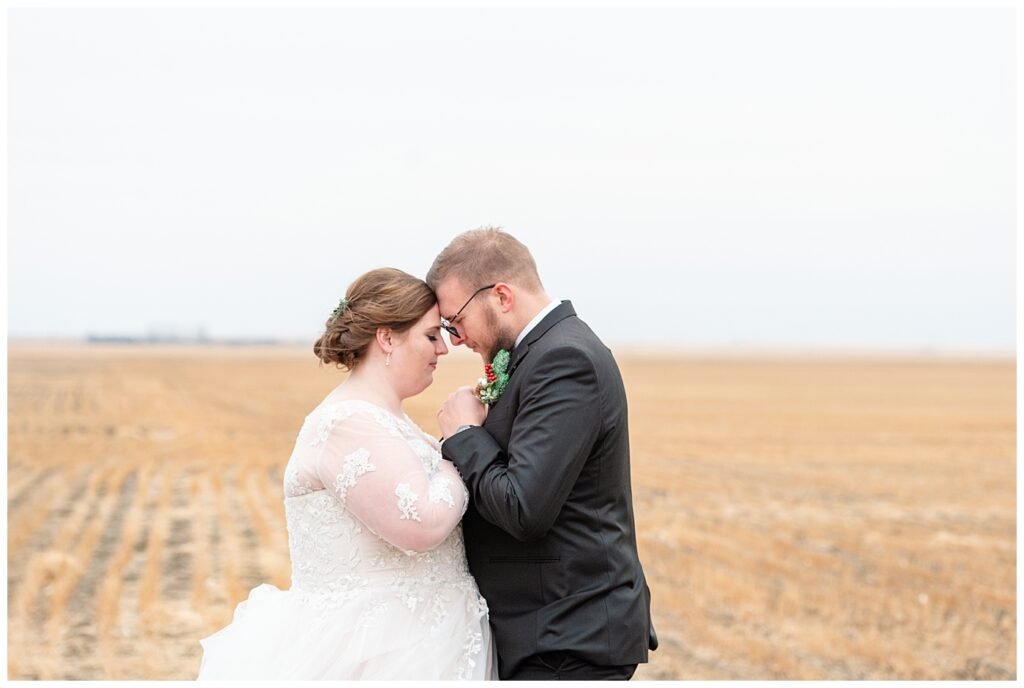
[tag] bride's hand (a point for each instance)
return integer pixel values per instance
(461, 408)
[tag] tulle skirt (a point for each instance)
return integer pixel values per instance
(380, 633)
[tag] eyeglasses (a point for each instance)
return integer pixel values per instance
(446, 324)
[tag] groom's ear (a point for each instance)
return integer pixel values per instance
(506, 296)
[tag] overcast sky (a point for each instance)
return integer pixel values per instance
(688, 177)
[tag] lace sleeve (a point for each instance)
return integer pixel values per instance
(378, 477)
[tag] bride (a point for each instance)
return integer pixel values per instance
(380, 585)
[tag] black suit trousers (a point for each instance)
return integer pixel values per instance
(561, 666)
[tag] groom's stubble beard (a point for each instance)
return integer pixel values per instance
(503, 337)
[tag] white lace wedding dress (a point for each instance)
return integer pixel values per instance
(380, 586)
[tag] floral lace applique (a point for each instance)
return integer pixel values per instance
(438, 612)
(323, 543)
(407, 502)
(385, 419)
(343, 570)
(429, 458)
(471, 648)
(476, 604)
(351, 588)
(354, 465)
(440, 491)
(294, 486)
(373, 614)
(392, 558)
(409, 600)
(327, 418)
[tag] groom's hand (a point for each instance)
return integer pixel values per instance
(461, 408)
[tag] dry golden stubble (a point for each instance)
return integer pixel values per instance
(797, 518)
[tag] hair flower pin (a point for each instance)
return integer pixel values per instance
(490, 387)
(342, 307)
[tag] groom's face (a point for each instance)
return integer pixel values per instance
(477, 323)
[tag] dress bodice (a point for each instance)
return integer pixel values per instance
(369, 502)
(380, 585)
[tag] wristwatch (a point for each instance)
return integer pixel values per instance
(460, 429)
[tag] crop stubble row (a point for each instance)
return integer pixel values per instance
(798, 519)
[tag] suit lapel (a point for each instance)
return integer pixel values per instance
(518, 354)
(561, 312)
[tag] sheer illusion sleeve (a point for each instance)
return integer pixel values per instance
(378, 476)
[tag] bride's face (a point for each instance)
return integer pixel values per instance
(414, 358)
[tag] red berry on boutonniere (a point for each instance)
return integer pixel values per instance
(495, 378)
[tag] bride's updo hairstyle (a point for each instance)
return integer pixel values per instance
(385, 297)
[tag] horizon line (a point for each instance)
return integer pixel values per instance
(644, 349)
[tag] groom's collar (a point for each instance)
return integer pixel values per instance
(560, 312)
(536, 321)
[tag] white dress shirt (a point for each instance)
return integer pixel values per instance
(536, 321)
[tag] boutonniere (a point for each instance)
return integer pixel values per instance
(490, 387)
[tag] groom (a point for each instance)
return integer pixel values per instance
(549, 533)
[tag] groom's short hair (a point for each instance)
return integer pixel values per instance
(485, 256)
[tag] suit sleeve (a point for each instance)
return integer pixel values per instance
(554, 430)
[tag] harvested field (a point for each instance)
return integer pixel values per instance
(816, 518)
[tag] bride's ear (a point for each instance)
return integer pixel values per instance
(385, 339)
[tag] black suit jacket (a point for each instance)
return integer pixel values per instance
(549, 532)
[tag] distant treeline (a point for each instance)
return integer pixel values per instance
(198, 341)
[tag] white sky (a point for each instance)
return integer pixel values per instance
(689, 177)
